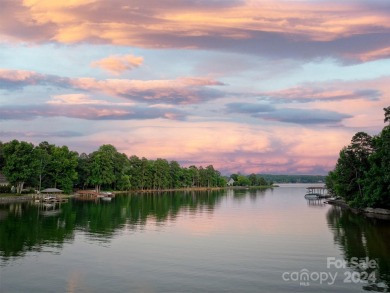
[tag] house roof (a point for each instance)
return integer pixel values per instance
(51, 190)
(3, 179)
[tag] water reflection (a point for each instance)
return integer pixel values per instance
(28, 227)
(361, 237)
(240, 195)
(316, 202)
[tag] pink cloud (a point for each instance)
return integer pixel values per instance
(119, 64)
(88, 111)
(382, 53)
(361, 100)
(17, 75)
(74, 99)
(178, 91)
(10, 79)
(231, 147)
(276, 29)
(188, 90)
(320, 92)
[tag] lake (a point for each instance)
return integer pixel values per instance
(270, 240)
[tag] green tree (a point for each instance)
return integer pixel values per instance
(124, 182)
(211, 175)
(62, 168)
(353, 163)
(222, 182)
(146, 170)
(20, 163)
(176, 175)
(43, 153)
(387, 114)
(377, 182)
(2, 158)
(194, 174)
(253, 179)
(83, 171)
(135, 172)
(243, 180)
(341, 180)
(262, 182)
(102, 166)
(161, 174)
(362, 172)
(203, 177)
(121, 172)
(234, 177)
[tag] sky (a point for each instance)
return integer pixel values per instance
(249, 86)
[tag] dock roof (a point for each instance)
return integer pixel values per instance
(51, 190)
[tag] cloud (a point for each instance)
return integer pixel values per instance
(382, 53)
(64, 134)
(18, 24)
(15, 79)
(248, 108)
(303, 116)
(83, 99)
(189, 90)
(314, 92)
(178, 91)
(89, 112)
(287, 115)
(119, 64)
(18, 79)
(354, 31)
(74, 99)
(232, 147)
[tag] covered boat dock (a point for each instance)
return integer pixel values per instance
(319, 191)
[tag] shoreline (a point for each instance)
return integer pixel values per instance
(377, 213)
(194, 189)
(29, 197)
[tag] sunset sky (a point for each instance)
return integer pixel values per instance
(246, 85)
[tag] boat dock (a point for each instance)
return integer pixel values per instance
(317, 191)
(53, 199)
(92, 195)
(86, 195)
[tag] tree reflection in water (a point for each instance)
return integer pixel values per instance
(27, 227)
(362, 237)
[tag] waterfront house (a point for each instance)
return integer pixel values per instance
(230, 182)
(3, 180)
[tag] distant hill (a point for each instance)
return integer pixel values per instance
(293, 178)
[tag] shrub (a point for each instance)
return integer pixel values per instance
(28, 191)
(5, 188)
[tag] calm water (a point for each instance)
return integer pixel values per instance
(228, 241)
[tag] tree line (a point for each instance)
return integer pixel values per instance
(362, 172)
(48, 165)
(249, 180)
(282, 178)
